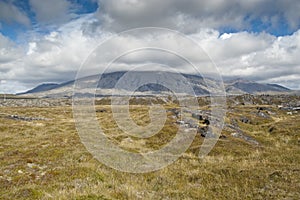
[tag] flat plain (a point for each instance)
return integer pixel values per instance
(256, 157)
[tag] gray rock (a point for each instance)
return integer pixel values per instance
(245, 120)
(263, 115)
(22, 118)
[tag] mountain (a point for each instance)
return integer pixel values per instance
(41, 88)
(107, 84)
(251, 87)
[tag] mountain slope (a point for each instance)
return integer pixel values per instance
(108, 82)
(41, 88)
(251, 87)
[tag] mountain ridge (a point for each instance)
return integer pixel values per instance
(200, 85)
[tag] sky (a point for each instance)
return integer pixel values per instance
(43, 41)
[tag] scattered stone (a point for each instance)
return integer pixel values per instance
(245, 120)
(271, 113)
(191, 123)
(17, 117)
(296, 108)
(208, 133)
(263, 115)
(289, 108)
(173, 117)
(79, 184)
(175, 111)
(181, 122)
(244, 137)
(263, 108)
(36, 166)
(206, 121)
(223, 136)
(101, 110)
(197, 116)
(234, 134)
(238, 133)
(35, 102)
(202, 130)
(272, 129)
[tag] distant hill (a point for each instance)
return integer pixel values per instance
(246, 86)
(41, 88)
(108, 81)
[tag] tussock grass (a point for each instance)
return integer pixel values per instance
(46, 160)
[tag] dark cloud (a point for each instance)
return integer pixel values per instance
(52, 11)
(190, 15)
(9, 13)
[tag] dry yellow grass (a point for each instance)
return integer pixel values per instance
(46, 160)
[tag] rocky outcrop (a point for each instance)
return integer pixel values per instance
(23, 118)
(32, 102)
(238, 133)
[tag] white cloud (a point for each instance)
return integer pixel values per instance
(273, 60)
(52, 57)
(58, 55)
(9, 51)
(6, 87)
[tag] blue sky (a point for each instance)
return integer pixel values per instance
(257, 40)
(14, 29)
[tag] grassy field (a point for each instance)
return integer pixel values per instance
(44, 159)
